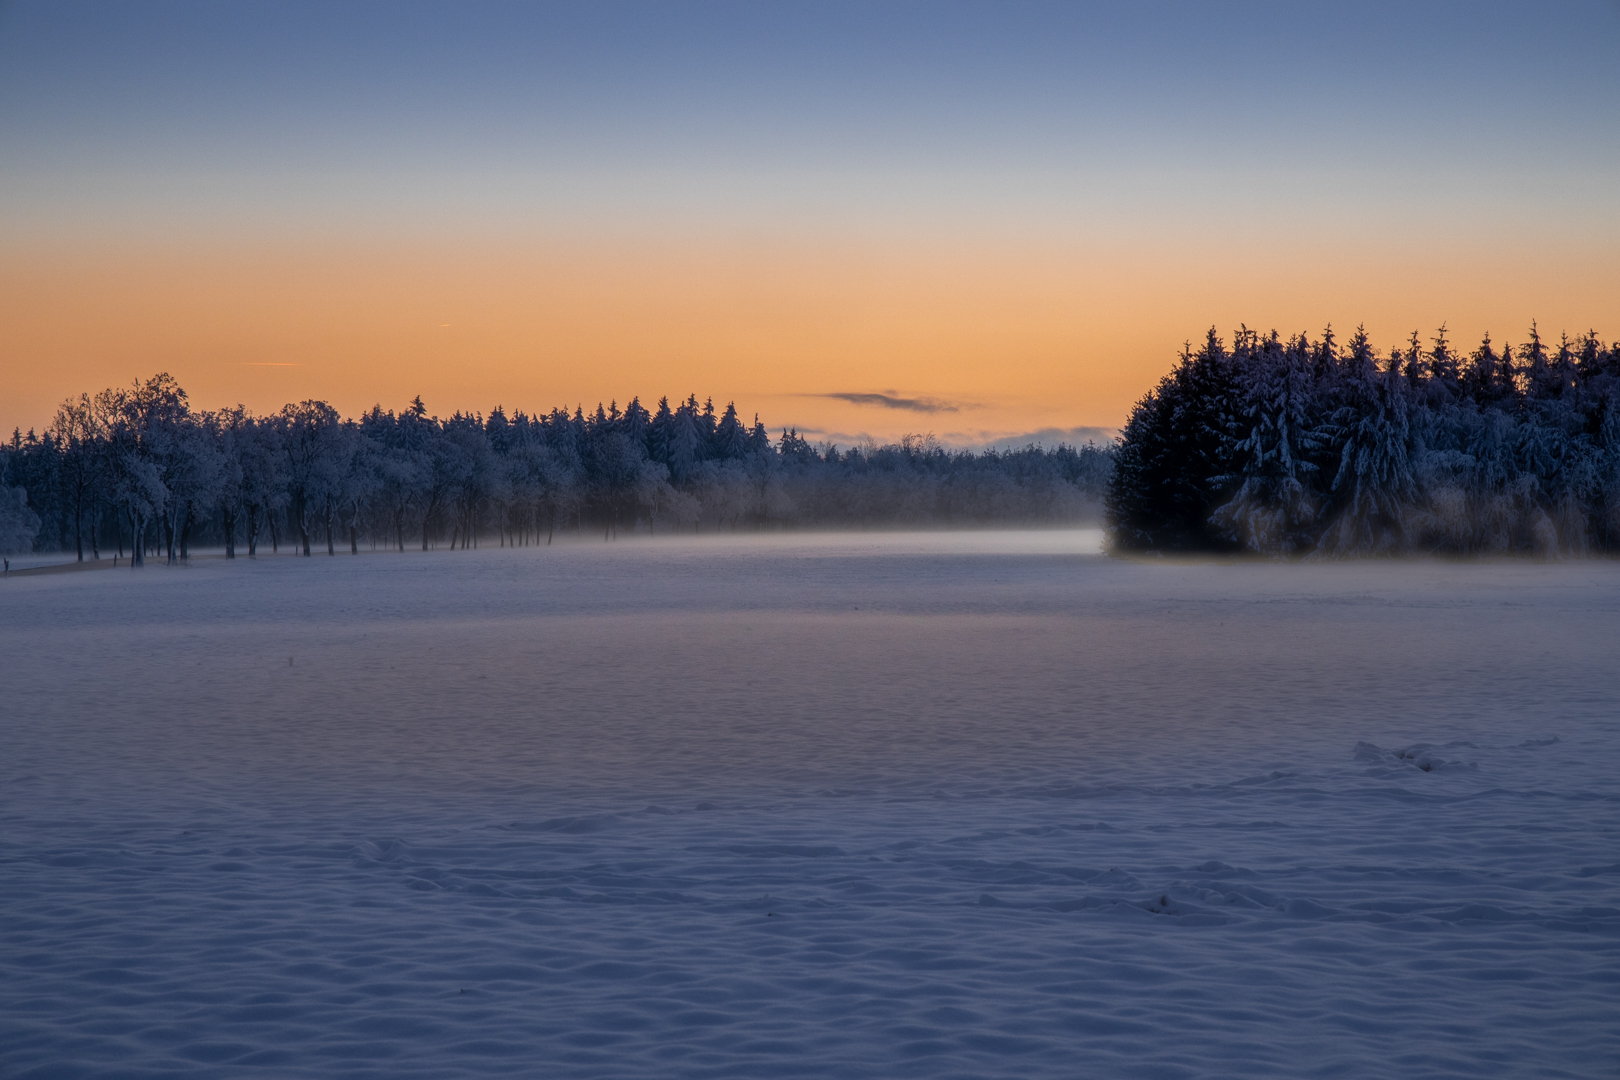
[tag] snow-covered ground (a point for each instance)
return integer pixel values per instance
(927, 805)
(32, 560)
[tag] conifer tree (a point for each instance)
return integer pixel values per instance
(730, 438)
(1273, 509)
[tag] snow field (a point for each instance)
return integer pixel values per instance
(962, 805)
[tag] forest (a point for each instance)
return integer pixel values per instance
(1309, 448)
(138, 469)
(1280, 447)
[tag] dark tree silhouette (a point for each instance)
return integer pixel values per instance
(1303, 447)
(177, 477)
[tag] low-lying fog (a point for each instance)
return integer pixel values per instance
(858, 805)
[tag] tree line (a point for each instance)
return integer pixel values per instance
(1310, 447)
(139, 469)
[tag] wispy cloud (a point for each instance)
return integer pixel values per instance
(905, 404)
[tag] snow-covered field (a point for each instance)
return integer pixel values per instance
(930, 805)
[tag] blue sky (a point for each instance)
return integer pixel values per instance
(760, 113)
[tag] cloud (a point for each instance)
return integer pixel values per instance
(890, 401)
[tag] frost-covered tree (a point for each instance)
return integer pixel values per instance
(311, 437)
(81, 445)
(1375, 483)
(141, 424)
(264, 491)
(1274, 508)
(1174, 464)
(19, 525)
(178, 477)
(1337, 453)
(230, 430)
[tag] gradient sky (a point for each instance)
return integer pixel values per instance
(972, 219)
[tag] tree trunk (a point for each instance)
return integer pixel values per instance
(137, 538)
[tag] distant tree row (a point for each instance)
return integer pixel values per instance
(138, 469)
(1309, 447)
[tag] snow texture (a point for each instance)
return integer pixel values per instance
(861, 806)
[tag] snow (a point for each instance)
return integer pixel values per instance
(33, 559)
(939, 805)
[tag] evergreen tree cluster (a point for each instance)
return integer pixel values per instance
(138, 469)
(1313, 448)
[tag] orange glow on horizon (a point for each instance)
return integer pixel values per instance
(1017, 334)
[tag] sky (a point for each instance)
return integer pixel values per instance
(982, 221)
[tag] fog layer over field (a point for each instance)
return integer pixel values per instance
(860, 806)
